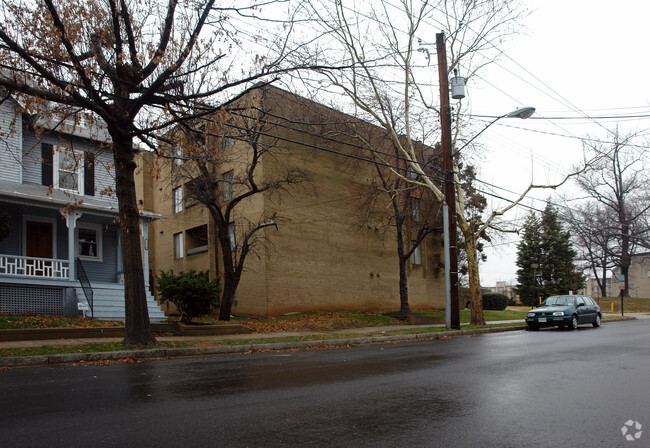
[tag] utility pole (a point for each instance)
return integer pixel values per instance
(450, 188)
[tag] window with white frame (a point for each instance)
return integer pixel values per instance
(416, 257)
(89, 241)
(227, 186)
(231, 234)
(177, 156)
(68, 170)
(178, 199)
(178, 245)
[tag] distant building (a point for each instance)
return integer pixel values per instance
(505, 289)
(638, 280)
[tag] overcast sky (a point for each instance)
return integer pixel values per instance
(576, 58)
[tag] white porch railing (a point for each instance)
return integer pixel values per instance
(17, 266)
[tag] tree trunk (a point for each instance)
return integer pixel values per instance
(230, 277)
(474, 279)
(626, 258)
(603, 289)
(404, 310)
(138, 328)
(227, 296)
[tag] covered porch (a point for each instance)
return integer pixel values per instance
(59, 259)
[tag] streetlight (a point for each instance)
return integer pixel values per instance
(452, 315)
(522, 112)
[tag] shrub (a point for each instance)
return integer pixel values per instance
(494, 301)
(192, 292)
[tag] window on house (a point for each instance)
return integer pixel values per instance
(411, 174)
(69, 169)
(89, 241)
(415, 209)
(178, 199)
(227, 143)
(177, 156)
(227, 186)
(416, 257)
(178, 245)
(197, 239)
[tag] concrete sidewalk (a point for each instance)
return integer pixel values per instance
(352, 336)
(347, 333)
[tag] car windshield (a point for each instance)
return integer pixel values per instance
(559, 301)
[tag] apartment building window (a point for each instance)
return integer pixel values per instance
(231, 233)
(177, 156)
(415, 209)
(178, 245)
(416, 257)
(178, 199)
(191, 189)
(227, 143)
(89, 241)
(227, 186)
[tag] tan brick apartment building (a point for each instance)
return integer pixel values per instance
(638, 279)
(323, 255)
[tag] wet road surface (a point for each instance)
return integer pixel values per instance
(516, 389)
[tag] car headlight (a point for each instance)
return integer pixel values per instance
(531, 314)
(558, 313)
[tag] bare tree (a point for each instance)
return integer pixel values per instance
(140, 67)
(221, 169)
(620, 184)
(390, 78)
(595, 238)
(412, 210)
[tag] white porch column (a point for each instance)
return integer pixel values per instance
(120, 263)
(144, 227)
(71, 222)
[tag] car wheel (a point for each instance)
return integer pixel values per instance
(573, 325)
(596, 322)
(533, 327)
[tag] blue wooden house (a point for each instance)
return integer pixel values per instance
(63, 251)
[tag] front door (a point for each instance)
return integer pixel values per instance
(39, 239)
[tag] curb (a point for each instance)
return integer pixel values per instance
(168, 353)
(39, 334)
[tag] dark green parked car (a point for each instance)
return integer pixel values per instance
(564, 311)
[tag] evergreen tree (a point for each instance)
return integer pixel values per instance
(545, 243)
(529, 251)
(559, 272)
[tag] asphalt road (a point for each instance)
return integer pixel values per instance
(546, 388)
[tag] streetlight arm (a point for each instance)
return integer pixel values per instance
(522, 112)
(482, 130)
